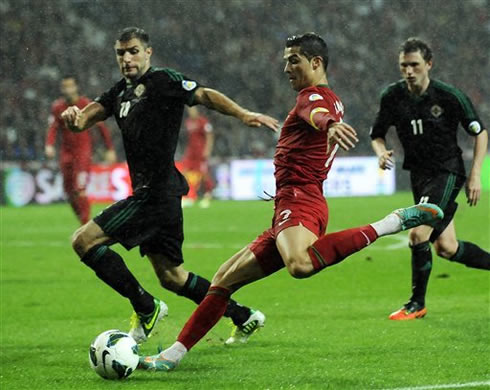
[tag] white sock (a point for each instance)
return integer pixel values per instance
(390, 224)
(175, 353)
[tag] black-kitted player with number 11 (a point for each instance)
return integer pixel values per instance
(426, 114)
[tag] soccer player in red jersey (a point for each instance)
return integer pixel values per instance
(76, 148)
(200, 140)
(310, 137)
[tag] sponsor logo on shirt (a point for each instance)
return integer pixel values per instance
(436, 111)
(314, 97)
(188, 85)
(474, 127)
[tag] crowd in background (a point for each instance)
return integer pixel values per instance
(234, 46)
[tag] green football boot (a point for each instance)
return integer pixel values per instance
(241, 334)
(142, 326)
(420, 214)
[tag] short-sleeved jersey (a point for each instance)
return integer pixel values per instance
(73, 145)
(303, 154)
(149, 114)
(427, 125)
(197, 128)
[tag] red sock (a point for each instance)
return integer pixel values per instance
(335, 247)
(81, 206)
(84, 207)
(207, 314)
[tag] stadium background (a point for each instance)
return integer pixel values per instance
(234, 46)
(327, 332)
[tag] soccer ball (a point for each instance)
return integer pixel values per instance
(114, 354)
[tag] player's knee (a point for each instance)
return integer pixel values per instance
(81, 241)
(446, 250)
(299, 268)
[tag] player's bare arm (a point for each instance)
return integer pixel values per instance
(215, 100)
(385, 157)
(79, 120)
(473, 184)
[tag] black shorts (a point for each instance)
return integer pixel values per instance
(154, 223)
(441, 189)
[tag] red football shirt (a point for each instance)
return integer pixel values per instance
(303, 154)
(73, 145)
(196, 137)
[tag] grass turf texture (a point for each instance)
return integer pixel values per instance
(330, 331)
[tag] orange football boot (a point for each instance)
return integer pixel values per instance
(409, 311)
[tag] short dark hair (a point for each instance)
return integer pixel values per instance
(311, 45)
(129, 33)
(412, 45)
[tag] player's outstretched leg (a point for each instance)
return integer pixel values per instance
(246, 321)
(240, 270)
(194, 287)
(335, 247)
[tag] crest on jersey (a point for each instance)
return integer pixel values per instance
(436, 111)
(139, 90)
(313, 97)
(475, 127)
(188, 85)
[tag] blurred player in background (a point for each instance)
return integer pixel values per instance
(426, 114)
(309, 140)
(76, 149)
(200, 140)
(148, 105)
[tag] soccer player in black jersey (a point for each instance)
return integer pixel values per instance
(148, 105)
(426, 114)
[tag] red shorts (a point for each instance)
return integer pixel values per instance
(294, 205)
(75, 175)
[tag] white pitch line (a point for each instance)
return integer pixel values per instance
(444, 386)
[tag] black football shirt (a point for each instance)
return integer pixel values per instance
(149, 113)
(427, 125)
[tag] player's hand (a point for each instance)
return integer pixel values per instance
(72, 117)
(256, 119)
(110, 156)
(473, 190)
(342, 134)
(386, 160)
(50, 151)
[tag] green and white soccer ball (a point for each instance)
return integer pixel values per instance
(114, 354)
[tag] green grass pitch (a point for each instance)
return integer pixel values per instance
(327, 332)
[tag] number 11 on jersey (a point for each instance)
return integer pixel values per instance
(417, 126)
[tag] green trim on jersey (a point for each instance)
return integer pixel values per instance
(390, 87)
(123, 216)
(460, 96)
(172, 73)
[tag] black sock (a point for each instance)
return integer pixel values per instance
(471, 255)
(421, 267)
(196, 288)
(110, 268)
